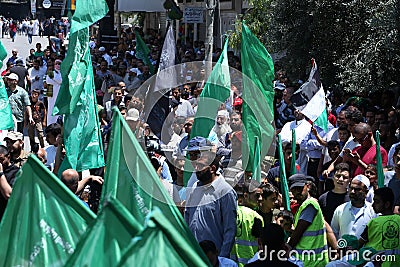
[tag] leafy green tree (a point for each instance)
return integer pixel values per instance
(356, 42)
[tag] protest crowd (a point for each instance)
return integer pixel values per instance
(331, 189)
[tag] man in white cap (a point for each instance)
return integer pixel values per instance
(351, 217)
(131, 80)
(15, 145)
(19, 102)
(106, 56)
(132, 118)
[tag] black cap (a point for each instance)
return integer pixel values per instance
(299, 180)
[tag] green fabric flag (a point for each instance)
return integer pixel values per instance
(76, 98)
(6, 122)
(379, 166)
(293, 162)
(322, 121)
(43, 221)
(258, 96)
(142, 52)
(215, 92)
(106, 238)
(131, 178)
(282, 176)
(160, 244)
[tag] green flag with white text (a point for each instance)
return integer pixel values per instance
(43, 221)
(6, 122)
(215, 92)
(130, 177)
(160, 244)
(107, 237)
(76, 99)
(258, 97)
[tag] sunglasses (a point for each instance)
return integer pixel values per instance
(57, 63)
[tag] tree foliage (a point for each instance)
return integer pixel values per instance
(356, 42)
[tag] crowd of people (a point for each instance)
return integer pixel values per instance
(334, 192)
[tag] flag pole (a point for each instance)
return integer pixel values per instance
(379, 166)
(293, 162)
(282, 175)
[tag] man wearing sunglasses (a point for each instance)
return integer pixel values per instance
(360, 157)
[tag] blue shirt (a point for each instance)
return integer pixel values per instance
(211, 214)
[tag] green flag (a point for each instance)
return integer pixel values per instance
(215, 92)
(258, 96)
(293, 162)
(6, 122)
(282, 176)
(43, 221)
(160, 244)
(76, 98)
(131, 178)
(142, 52)
(379, 166)
(106, 238)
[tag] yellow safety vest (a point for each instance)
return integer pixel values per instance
(246, 245)
(312, 248)
(384, 235)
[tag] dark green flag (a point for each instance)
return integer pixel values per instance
(107, 237)
(258, 96)
(160, 244)
(142, 52)
(6, 121)
(43, 221)
(282, 176)
(379, 166)
(131, 178)
(76, 99)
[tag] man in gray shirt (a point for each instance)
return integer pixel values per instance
(211, 206)
(19, 102)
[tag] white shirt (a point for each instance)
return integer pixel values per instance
(344, 222)
(350, 144)
(56, 82)
(184, 109)
(41, 72)
(51, 156)
(108, 59)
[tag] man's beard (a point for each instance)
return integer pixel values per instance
(222, 130)
(204, 176)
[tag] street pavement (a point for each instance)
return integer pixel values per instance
(22, 45)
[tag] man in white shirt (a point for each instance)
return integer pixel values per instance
(106, 56)
(53, 133)
(352, 217)
(185, 109)
(37, 74)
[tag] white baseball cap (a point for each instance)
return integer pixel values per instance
(132, 114)
(13, 76)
